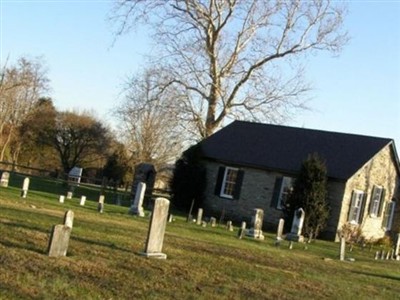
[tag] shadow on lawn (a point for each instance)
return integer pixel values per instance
(99, 243)
(378, 275)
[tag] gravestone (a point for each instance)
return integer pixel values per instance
(137, 206)
(118, 202)
(229, 226)
(203, 223)
(145, 173)
(60, 235)
(83, 200)
(213, 222)
(69, 195)
(297, 226)
(279, 232)
(342, 248)
(170, 218)
(242, 230)
(155, 236)
(256, 223)
(397, 248)
(100, 204)
(199, 216)
(69, 218)
(25, 187)
(5, 177)
(61, 199)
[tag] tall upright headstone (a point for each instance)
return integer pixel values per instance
(61, 199)
(199, 216)
(155, 236)
(256, 225)
(25, 187)
(229, 226)
(242, 230)
(5, 177)
(137, 206)
(145, 173)
(342, 248)
(279, 232)
(297, 226)
(100, 204)
(397, 248)
(69, 218)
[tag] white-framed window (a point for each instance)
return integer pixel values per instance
(286, 188)
(376, 201)
(229, 182)
(388, 217)
(356, 205)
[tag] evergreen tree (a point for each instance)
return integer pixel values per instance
(189, 179)
(310, 193)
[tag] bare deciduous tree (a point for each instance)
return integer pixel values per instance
(236, 58)
(148, 123)
(21, 86)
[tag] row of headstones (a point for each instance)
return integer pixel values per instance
(60, 234)
(100, 203)
(393, 254)
(5, 178)
(256, 226)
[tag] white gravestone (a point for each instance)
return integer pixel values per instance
(199, 216)
(69, 195)
(297, 226)
(137, 206)
(229, 226)
(69, 218)
(61, 199)
(256, 223)
(5, 177)
(60, 235)
(397, 248)
(25, 187)
(100, 204)
(155, 236)
(213, 222)
(242, 230)
(279, 232)
(342, 248)
(83, 200)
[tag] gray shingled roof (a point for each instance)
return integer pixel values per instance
(283, 148)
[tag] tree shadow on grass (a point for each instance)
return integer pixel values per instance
(29, 247)
(378, 275)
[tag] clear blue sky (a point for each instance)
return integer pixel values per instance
(357, 92)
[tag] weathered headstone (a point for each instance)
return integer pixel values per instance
(137, 206)
(69, 195)
(59, 241)
(61, 199)
(342, 248)
(69, 218)
(297, 226)
(100, 204)
(199, 216)
(242, 230)
(60, 234)
(25, 187)
(155, 236)
(203, 223)
(279, 231)
(229, 226)
(397, 248)
(145, 173)
(5, 177)
(213, 222)
(170, 218)
(83, 200)
(256, 223)
(376, 255)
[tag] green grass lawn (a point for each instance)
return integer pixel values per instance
(203, 263)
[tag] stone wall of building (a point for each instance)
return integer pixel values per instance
(381, 171)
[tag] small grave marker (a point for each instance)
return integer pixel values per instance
(279, 231)
(61, 199)
(213, 222)
(242, 230)
(199, 216)
(100, 204)
(60, 235)
(342, 248)
(83, 200)
(5, 177)
(25, 187)
(257, 221)
(69, 195)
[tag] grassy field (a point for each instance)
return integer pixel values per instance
(203, 263)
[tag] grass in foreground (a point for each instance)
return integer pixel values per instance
(203, 263)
